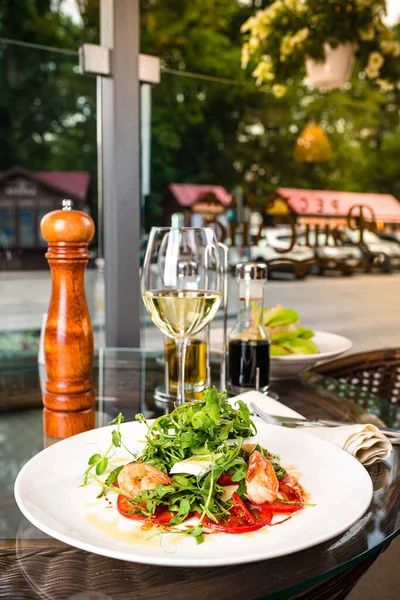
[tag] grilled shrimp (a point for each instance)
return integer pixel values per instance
(261, 481)
(136, 477)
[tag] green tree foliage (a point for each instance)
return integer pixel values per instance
(47, 110)
(195, 122)
(362, 125)
(202, 131)
(232, 135)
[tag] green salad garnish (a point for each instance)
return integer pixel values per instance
(208, 430)
(287, 335)
(196, 428)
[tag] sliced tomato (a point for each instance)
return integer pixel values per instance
(226, 479)
(239, 509)
(231, 525)
(260, 514)
(162, 515)
(126, 509)
(290, 493)
(282, 507)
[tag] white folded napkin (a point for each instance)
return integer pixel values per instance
(364, 442)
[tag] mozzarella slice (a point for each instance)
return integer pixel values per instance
(229, 490)
(194, 465)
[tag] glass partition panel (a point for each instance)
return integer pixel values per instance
(275, 170)
(48, 151)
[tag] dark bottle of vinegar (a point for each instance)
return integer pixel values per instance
(249, 344)
(249, 364)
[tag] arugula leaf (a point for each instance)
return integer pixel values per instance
(111, 479)
(212, 406)
(199, 427)
(197, 533)
(181, 480)
(116, 438)
(199, 419)
(113, 476)
(226, 431)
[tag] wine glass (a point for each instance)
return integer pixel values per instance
(181, 285)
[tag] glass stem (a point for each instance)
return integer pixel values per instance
(181, 346)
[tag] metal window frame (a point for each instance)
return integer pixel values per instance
(120, 166)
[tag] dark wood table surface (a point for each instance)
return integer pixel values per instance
(33, 565)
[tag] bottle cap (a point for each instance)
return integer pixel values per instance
(187, 268)
(251, 271)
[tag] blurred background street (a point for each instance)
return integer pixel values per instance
(324, 303)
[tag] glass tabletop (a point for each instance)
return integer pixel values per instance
(125, 381)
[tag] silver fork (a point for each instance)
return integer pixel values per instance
(264, 416)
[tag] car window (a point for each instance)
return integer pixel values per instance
(368, 237)
(284, 238)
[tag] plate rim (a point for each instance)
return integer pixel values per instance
(347, 345)
(191, 562)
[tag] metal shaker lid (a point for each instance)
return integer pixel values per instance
(67, 226)
(67, 204)
(251, 271)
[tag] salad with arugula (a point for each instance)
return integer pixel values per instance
(198, 472)
(287, 335)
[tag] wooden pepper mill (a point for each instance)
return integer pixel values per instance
(68, 340)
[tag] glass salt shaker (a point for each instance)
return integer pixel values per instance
(249, 341)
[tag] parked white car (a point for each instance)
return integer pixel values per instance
(342, 256)
(384, 254)
(296, 260)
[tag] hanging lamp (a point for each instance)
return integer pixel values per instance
(312, 145)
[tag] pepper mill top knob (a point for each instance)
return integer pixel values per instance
(67, 225)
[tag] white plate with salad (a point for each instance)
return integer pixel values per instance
(199, 487)
(294, 348)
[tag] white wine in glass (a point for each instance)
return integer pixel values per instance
(181, 285)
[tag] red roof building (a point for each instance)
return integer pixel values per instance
(207, 200)
(72, 184)
(75, 183)
(325, 206)
(25, 197)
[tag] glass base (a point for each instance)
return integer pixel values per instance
(190, 388)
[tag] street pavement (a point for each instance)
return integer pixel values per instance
(365, 307)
